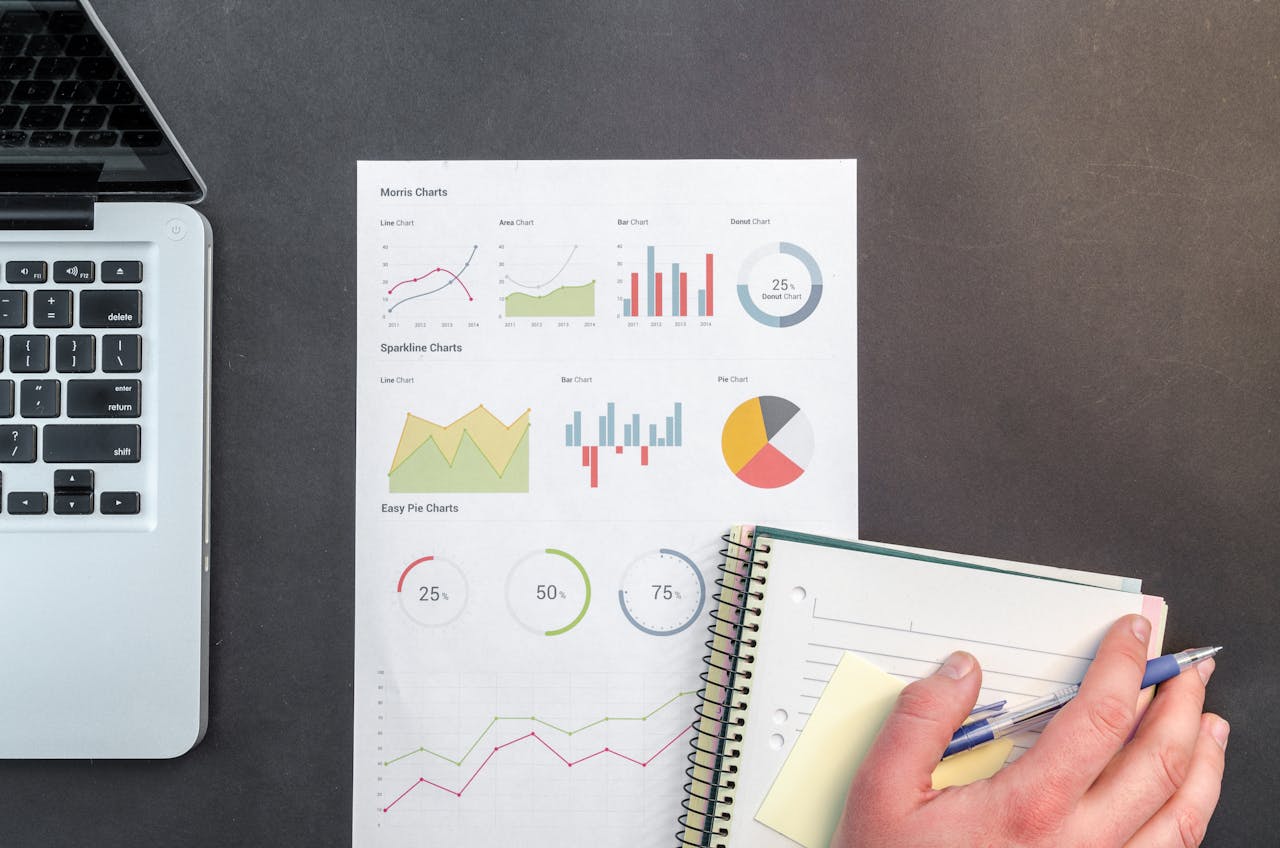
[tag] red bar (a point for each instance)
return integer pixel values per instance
(657, 294)
(635, 295)
(684, 294)
(644, 454)
(709, 299)
(595, 467)
(586, 455)
(617, 449)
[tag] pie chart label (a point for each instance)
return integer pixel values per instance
(767, 442)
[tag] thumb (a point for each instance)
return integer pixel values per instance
(915, 734)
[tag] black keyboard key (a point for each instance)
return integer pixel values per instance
(81, 271)
(68, 21)
(97, 138)
(24, 271)
(12, 44)
(110, 309)
(5, 88)
(28, 354)
(72, 481)
(65, 443)
(13, 309)
(78, 504)
(74, 354)
(104, 398)
(142, 139)
(22, 20)
(16, 67)
(6, 398)
(121, 354)
(96, 68)
(120, 503)
(51, 308)
(131, 118)
(113, 92)
(75, 91)
(54, 68)
(46, 45)
(18, 443)
(122, 272)
(12, 138)
(49, 138)
(28, 503)
(41, 399)
(84, 45)
(85, 117)
(32, 91)
(42, 117)
(9, 116)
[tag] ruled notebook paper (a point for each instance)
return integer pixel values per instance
(1031, 634)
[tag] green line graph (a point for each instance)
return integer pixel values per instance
(536, 720)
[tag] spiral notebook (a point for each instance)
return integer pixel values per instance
(791, 605)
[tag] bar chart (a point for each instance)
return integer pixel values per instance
(668, 292)
(640, 436)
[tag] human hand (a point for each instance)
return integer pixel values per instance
(1086, 782)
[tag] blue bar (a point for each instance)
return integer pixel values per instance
(626, 435)
(671, 431)
(635, 430)
(611, 442)
(577, 429)
(702, 303)
(675, 288)
(568, 436)
(603, 431)
(679, 424)
(626, 306)
(650, 277)
(653, 434)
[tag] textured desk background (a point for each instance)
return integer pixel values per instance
(1069, 314)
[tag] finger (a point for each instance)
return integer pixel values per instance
(1077, 745)
(1155, 763)
(1184, 818)
(895, 773)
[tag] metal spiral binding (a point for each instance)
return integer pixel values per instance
(712, 766)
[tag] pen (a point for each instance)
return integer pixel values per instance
(1036, 714)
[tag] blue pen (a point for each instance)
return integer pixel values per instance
(1036, 714)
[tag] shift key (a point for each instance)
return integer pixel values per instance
(112, 309)
(64, 443)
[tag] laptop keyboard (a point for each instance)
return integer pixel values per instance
(61, 87)
(71, 393)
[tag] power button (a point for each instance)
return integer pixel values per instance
(175, 229)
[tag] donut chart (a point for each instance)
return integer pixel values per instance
(767, 442)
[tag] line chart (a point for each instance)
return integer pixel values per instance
(453, 278)
(533, 734)
(536, 720)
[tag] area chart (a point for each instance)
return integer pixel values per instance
(475, 453)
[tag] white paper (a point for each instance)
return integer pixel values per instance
(497, 703)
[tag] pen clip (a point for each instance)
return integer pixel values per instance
(986, 711)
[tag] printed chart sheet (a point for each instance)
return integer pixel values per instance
(573, 377)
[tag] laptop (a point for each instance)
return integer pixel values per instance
(104, 403)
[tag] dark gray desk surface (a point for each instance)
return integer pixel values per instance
(1069, 314)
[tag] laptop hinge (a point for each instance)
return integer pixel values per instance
(46, 212)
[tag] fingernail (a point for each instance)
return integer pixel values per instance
(1142, 629)
(958, 665)
(1205, 669)
(1219, 731)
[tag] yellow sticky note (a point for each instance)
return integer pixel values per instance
(808, 795)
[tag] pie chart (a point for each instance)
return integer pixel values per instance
(767, 442)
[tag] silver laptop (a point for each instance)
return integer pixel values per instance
(104, 411)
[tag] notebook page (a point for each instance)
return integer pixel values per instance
(1031, 635)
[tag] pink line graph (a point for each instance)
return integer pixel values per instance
(455, 277)
(457, 793)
